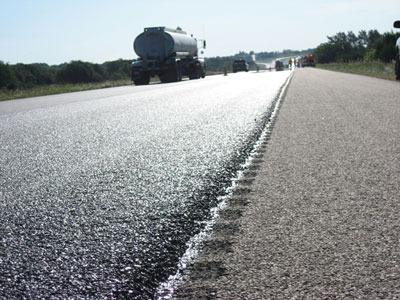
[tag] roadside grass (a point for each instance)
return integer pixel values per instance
(373, 69)
(53, 89)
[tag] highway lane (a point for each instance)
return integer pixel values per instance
(101, 190)
(318, 216)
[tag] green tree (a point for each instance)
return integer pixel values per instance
(385, 46)
(351, 47)
(373, 37)
(362, 39)
(343, 44)
(8, 79)
(326, 53)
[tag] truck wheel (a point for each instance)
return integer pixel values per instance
(397, 67)
(195, 72)
(144, 80)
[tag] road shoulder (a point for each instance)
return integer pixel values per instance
(317, 213)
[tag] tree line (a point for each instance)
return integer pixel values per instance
(22, 76)
(364, 46)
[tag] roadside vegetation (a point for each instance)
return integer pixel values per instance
(376, 69)
(29, 80)
(367, 53)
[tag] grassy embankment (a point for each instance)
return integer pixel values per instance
(373, 69)
(53, 89)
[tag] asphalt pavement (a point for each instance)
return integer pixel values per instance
(101, 191)
(317, 213)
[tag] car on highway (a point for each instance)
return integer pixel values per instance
(397, 67)
(279, 65)
(240, 65)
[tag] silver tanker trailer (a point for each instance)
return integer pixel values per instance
(168, 53)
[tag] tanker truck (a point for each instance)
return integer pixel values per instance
(168, 54)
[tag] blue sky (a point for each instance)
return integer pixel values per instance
(59, 31)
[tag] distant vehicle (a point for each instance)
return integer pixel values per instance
(308, 61)
(167, 53)
(397, 67)
(240, 65)
(279, 65)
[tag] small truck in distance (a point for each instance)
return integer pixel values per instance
(308, 61)
(279, 65)
(240, 65)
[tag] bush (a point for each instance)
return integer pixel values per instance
(370, 55)
(8, 79)
(33, 74)
(23, 76)
(80, 72)
(117, 69)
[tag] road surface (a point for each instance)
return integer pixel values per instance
(102, 190)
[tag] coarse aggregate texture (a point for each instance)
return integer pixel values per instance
(319, 215)
(101, 191)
